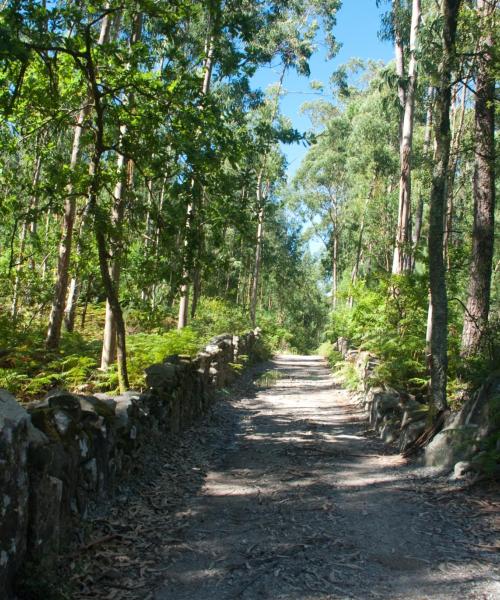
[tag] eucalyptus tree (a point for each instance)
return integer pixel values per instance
(407, 93)
(321, 183)
(483, 233)
(65, 248)
(448, 17)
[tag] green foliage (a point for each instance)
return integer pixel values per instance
(327, 350)
(387, 318)
(215, 316)
(346, 372)
(146, 349)
(28, 371)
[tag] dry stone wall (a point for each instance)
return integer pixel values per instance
(469, 438)
(399, 418)
(61, 455)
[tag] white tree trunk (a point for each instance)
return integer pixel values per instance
(402, 249)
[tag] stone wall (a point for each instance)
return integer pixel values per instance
(70, 450)
(398, 417)
(464, 442)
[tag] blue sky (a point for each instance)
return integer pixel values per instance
(358, 23)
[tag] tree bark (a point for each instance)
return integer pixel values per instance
(75, 283)
(184, 291)
(99, 219)
(22, 241)
(417, 229)
(399, 55)
(125, 169)
(335, 261)
(439, 301)
(61, 287)
(258, 249)
(402, 250)
(483, 232)
(454, 153)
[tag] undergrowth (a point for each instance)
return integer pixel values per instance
(28, 370)
(388, 318)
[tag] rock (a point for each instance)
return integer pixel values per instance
(381, 404)
(450, 446)
(414, 411)
(462, 469)
(14, 490)
(104, 407)
(342, 346)
(67, 451)
(389, 432)
(411, 430)
(69, 403)
(45, 516)
(161, 376)
(36, 438)
(467, 430)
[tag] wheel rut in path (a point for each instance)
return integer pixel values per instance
(304, 505)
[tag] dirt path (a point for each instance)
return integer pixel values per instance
(292, 500)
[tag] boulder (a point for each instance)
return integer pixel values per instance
(383, 403)
(451, 445)
(103, 407)
(45, 515)
(342, 346)
(467, 430)
(390, 430)
(462, 469)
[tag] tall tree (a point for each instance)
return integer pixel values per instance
(66, 243)
(478, 298)
(123, 187)
(402, 249)
(439, 326)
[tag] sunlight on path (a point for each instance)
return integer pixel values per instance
(305, 506)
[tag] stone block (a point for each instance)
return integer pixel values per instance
(411, 430)
(14, 490)
(161, 376)
(45, 516)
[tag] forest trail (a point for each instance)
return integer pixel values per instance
(298, 502)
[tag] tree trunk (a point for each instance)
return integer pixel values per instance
(125, 170)
(399, 55)
(61, 287)
(359, 245)
(184, 291)
(483, 232)
(22, 241)
(335, 260)
(126, 173)
(417, 229)
(258, 250)
(454, 153)
(439, 301)
(402, 251)
(75, 283)
(100, 225)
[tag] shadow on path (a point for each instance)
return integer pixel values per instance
(304, 505)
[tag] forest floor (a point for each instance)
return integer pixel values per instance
(281, 493)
